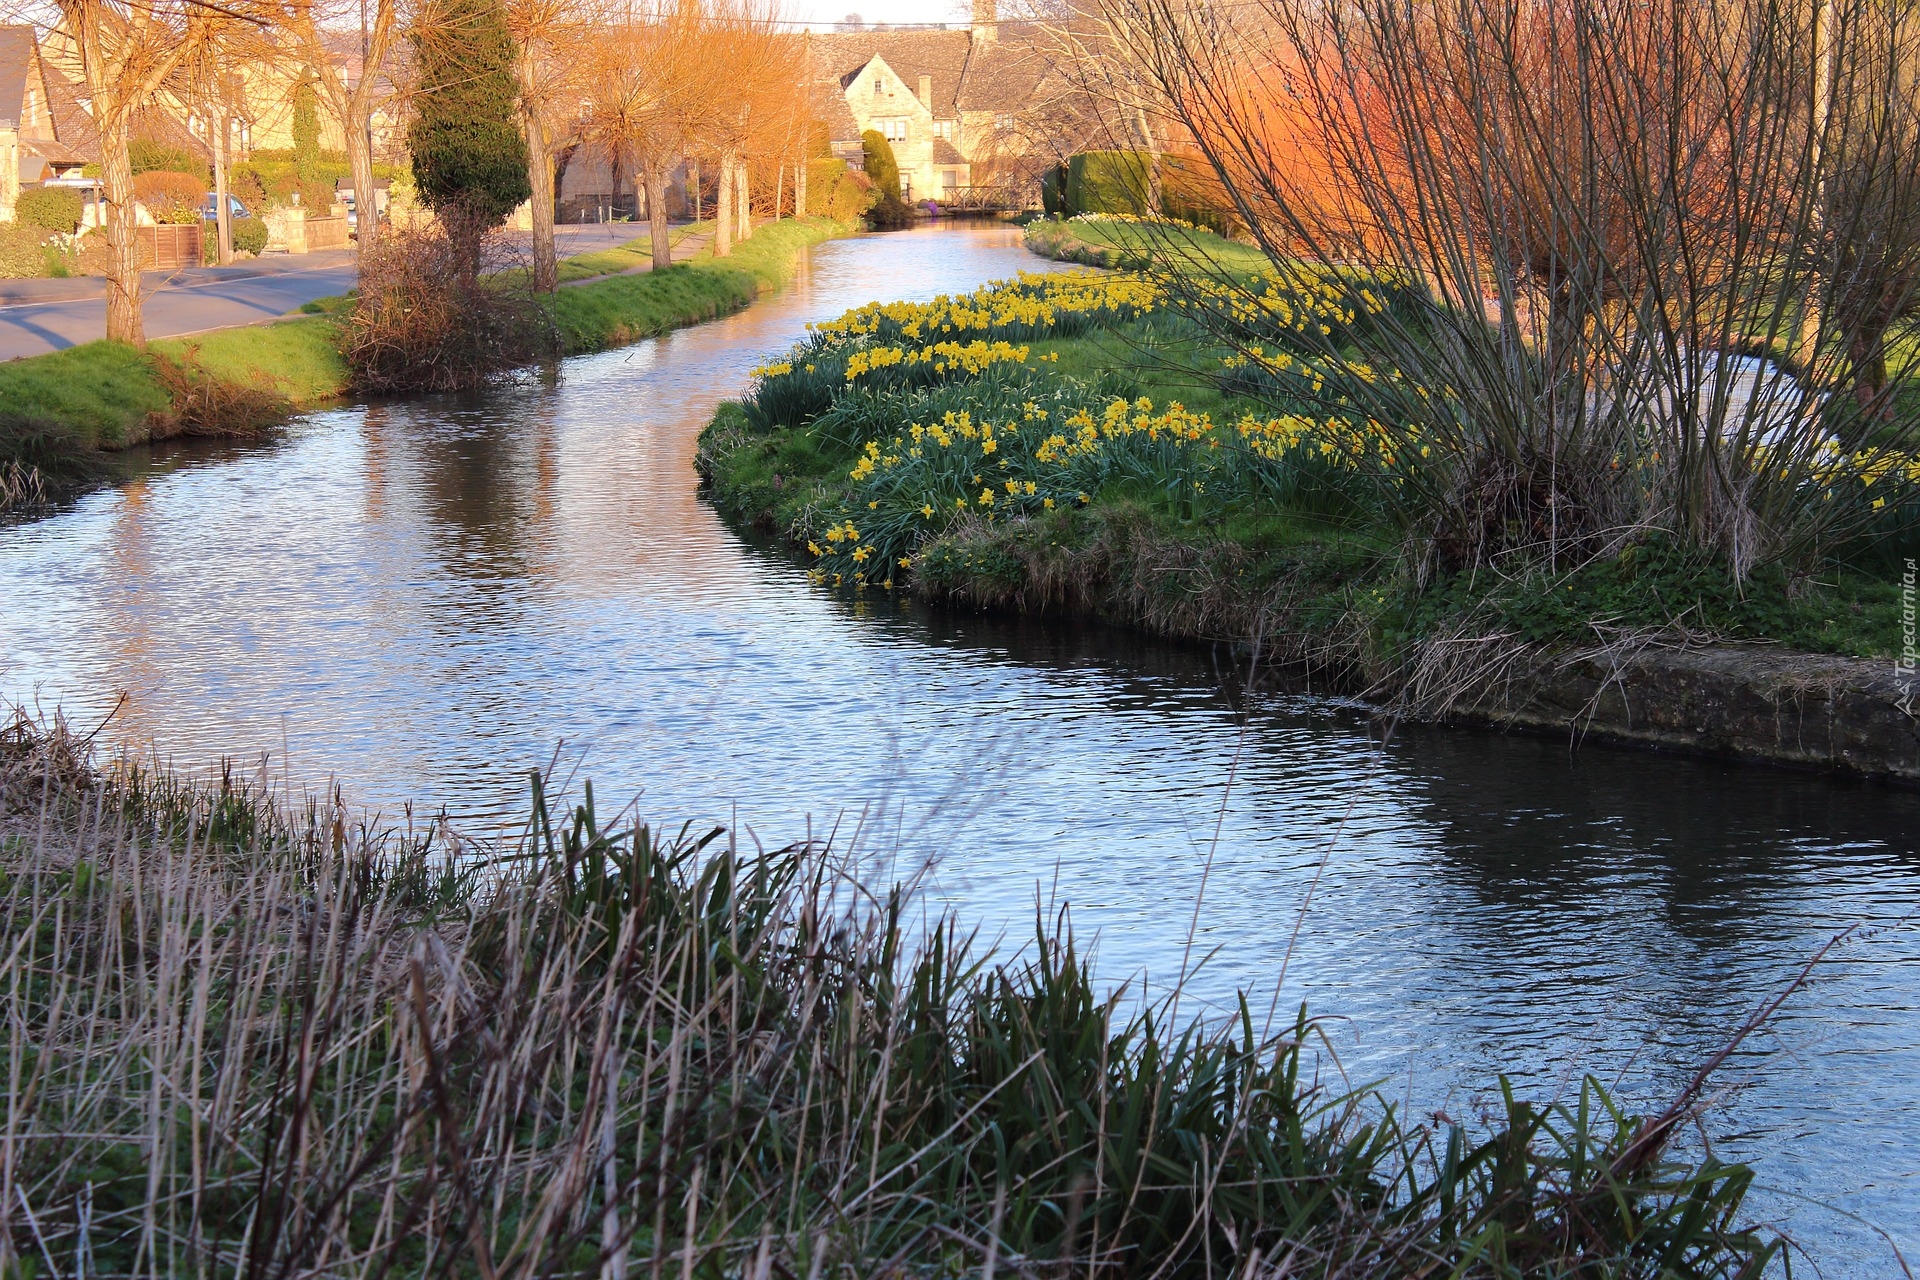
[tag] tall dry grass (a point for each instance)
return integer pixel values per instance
(248, 1039)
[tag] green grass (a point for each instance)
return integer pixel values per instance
(1122, 244)
(294, 359)
(620, 309)
(103, 391)
(103, 395)
(634, 253)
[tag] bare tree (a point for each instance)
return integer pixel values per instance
(642, 100)
(752, 66)
(1567, 227)
(550, 37)
(129, 50)
(313, 31)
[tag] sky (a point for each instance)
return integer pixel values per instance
(821, 11)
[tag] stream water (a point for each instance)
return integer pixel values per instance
(427, 599)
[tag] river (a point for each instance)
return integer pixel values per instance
(426, 599)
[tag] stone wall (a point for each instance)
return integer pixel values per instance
(1844, 715)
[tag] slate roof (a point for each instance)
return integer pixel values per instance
(945, 152)
(839, 56)
(1005, 75)
(16, 64)
(71, 122)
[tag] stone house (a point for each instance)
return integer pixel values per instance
(45, 134)
(962, 107)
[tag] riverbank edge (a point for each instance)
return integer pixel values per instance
(104, 396)
(1748, 702)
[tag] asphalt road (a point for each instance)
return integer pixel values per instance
(38, 316)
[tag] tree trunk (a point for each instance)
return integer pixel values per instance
(1867, 349)
(657, 215)
(800, 188)
(366, 203)
(123, 244)
(222, 214)
(693, 189)
(723, 208)
(546, 271)
(779, 188)
(743, 204)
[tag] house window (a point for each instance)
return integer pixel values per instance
(950, 179)
(1004, 122)
(892, 128)
(943, 129)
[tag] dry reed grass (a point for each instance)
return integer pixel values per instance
(252, 1039)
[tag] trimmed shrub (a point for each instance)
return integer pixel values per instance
(887, 209)
(469, 158)
(22, 255)
(175, 198)
(249, 235)
(835, 191)
(879, 163)
(1192, 192)
(1053, 190)
(1110, 182)
(55, 209)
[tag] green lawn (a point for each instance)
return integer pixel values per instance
(107, 395)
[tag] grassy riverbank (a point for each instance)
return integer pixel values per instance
(1073, 444)
(248, 1038)
(68, 405)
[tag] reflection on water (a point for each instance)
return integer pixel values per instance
(425, 598)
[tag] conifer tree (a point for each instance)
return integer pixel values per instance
(469, 160)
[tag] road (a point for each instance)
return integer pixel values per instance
(38, 316)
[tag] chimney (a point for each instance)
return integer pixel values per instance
(926, 92)
(986, 24)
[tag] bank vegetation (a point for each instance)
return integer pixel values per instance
(254, 1036)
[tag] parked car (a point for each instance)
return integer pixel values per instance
(210, 210)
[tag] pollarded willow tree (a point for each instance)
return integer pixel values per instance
(753, 71)
(309, 33)
(1565, 230)
(553, 42)
(469, 158)
(130, 50)
(644, 99)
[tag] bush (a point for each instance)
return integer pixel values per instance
(469, 158)
(56, 209)
(149, 156)
(835, 191)
(249, 235)
(1053, 190)
(1192, 192)
(1110, 182)
(882, 169)
(23, 255)
(175, 198)
(419, 324)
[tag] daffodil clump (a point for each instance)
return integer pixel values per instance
(954, 416)
(930, 476)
